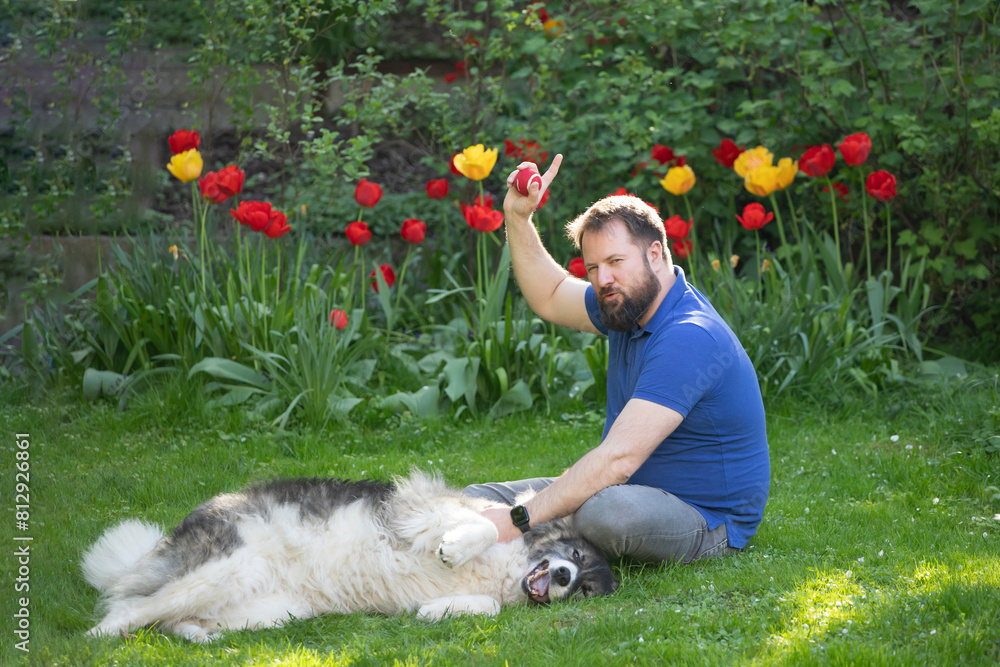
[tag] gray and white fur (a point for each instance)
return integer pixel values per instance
(306, 547)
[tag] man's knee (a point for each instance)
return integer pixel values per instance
(607, 517)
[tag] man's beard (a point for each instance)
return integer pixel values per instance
(623, 315)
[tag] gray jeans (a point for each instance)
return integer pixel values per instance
(642, 522)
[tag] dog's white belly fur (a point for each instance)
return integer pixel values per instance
(349, 564)
(436, 560)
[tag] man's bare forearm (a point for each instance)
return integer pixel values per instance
(537, 273)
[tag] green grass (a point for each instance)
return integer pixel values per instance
(874, 549)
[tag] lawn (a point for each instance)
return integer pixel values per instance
(880, 543)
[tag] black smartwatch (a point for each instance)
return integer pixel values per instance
(519, 515)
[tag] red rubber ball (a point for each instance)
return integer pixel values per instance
(524, 179)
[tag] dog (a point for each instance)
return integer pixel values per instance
(296, 549)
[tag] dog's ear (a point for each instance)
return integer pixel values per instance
(550, 530)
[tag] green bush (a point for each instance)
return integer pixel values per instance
(602, 83)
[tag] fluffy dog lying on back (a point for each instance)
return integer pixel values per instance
(305, 547)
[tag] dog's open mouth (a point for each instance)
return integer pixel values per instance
(536, 583)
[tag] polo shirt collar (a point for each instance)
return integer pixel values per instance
(666, 306)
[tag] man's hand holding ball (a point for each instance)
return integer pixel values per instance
(525, 177)
(520, 202)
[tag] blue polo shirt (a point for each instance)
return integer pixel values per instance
(687, 358)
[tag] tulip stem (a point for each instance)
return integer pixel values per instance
(836, 224)
(201, 240)
(864, 209)
(756, 235)
(777, 214)
(263, 290)
(399, 287)
(358, 255)
(795, 219)
(888, 238)
(694, 236)
(277, 282)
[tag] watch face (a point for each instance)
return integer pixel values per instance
(519, 515)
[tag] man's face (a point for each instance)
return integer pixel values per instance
(621, 275)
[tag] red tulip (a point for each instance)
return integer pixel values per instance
(338, 319)
(855, 148)
(754, 216)
(676, 228)
(231, 179)
(210, 190)
(438, 188)
(482, 219)
(840, 189)
(682, 249)
(257, 215)
(577, 268)
(662, 154)
(183, 140)
(358, 233)
(413, 230)
(387, 273)
(367, 193)
(620, 192)
(727, 152)
(483, 200)
(218, 186)
(881, 185)
(452, 167)
(638, 167)
(530, 151)
(278, 226)
(533, 153)
(817, 161)
(543, 15)
(544, 200)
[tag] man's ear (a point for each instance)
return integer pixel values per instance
(654, 254)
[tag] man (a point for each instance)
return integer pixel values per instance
(682, 471)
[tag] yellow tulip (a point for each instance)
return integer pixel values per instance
(762, 181)
(765, 265)
(751, 159)
(678, 180)
(173, 251)
(715, 265)
(734, 260)
(787, 168)
(553, 28)
(186, 166)
(476, 162)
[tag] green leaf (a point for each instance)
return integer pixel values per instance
(515, 399)
(229, 370)
(458, 378)
(842, 88)
(422, 403)
(102, 383)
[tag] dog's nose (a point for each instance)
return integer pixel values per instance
(562, 575)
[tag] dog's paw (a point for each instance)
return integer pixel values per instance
(462, 544)
(109, 630)
(195, 633)
(456, 605)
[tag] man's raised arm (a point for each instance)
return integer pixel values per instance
(551, 293)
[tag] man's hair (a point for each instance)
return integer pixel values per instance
(641, 220)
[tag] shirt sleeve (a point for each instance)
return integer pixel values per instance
(594, 310)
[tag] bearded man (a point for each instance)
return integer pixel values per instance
(682, 471)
